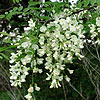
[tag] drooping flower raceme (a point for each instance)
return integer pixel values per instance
(54, 46)
(61, 42)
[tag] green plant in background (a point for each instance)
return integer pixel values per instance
(16, 1)
(87, 3)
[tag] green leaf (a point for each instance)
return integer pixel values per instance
(8, 17)
(33, 3)
(3, 49)
(8, 40)
(17, 1)
(86, 2)
(20, 8)
(4, 33)
(15, 8)
(92, 2)
(48, 9)
(10, 11)
(35, 8)
(27, 9)
(2, 16)
(44, 17)
(79, 4)
(98, 2)
(5, 56)
(7, 48)
(14, 1)
(12, 46)
(51, 3)
(1, 57)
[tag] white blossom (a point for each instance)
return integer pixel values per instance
(30, 90)
(26, 59)
(31, 23)
(28, 96)
(98, 21)
(67, 78)
(26, 44)
(37, 88)
(43, 28)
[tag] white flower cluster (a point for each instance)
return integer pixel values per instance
(31, 26)
(24, 56)
(94, 32)
(61, 45)
(18, 71)
(29, 95)
(30, 91)
(73, 1)
(18, 68)
(60, 42)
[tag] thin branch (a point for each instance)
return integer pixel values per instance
(77, 91)
(64, 90)
(4, 10)
(89, 8)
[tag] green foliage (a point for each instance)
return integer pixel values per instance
(2, 16)
(4, 49)
(4, 96)
(16, 1)
(88, 3)
(34, 9)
